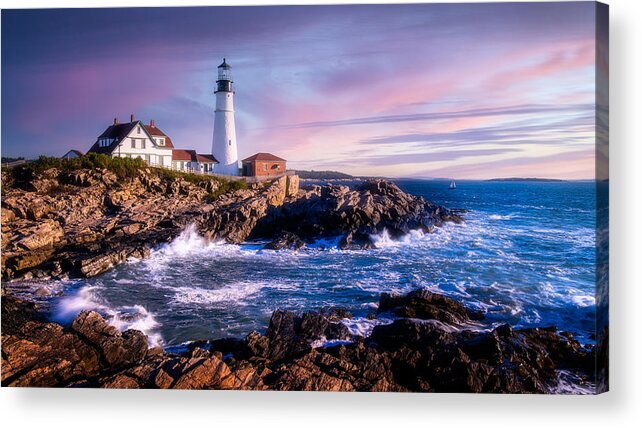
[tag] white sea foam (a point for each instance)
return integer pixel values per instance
(136, 317)
(325, 343)
(362, 326)
(500, 217)
(583, 301)
(189, 243)
(237, 293)
(123, 318)
(70, 306)
(570, 384)
(233, 293)
(413, 237)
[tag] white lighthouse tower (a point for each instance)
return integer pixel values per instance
(224, 141)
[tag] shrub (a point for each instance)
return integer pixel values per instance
(187, 176)
(228, 186)
(124, 168)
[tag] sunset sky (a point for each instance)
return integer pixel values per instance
(450, 90)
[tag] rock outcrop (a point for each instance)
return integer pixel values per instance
(336, 210)
(425, 305)
(285, 241)
(424, 352)
(82, 223)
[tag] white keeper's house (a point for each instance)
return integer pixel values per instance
(134, 139)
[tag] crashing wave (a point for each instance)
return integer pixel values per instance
(134, 317)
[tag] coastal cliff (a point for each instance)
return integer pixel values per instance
(81, 223)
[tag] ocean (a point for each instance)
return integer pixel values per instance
(525, 255)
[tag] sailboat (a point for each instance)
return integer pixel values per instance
(452, 185)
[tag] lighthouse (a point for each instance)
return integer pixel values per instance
(224, 140)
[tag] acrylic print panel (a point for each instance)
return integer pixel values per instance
(340, 198)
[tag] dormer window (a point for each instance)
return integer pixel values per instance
(160, 141)
(104, 142)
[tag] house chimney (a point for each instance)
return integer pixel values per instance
(151, 123)
(115, 121)
(131, 118)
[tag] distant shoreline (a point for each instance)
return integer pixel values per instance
(337, 176)
(527, 179)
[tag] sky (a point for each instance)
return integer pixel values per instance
(433, 90)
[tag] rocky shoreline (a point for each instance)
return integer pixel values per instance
(431, 345)
(59, 224)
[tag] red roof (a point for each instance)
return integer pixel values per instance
(206, 158)
(153, 130)
(183, 155)
(264, 157)
(192, 156)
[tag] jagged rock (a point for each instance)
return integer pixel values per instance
(292, 186)
(43, 234)
(356, 241)
(37, 353)
(203, 373)
(319, 212)
(288, 334)
(407, 355)
(424, 304)
(115, 349)
(277, 192)
(83, 178)
(336, 314)
(285, 240)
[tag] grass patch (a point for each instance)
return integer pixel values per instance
(228, 186)
(187, 176)
(124, 168)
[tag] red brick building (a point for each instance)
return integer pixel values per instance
(262, 165)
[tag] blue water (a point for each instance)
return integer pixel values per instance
(525, 255)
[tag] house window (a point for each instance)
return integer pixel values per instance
(147, 158)
(133, 143)
(229, 143)
(264, 167)
(138, 130)
(160, 141)
(142, 144)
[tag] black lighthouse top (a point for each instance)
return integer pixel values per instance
(224, 82)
